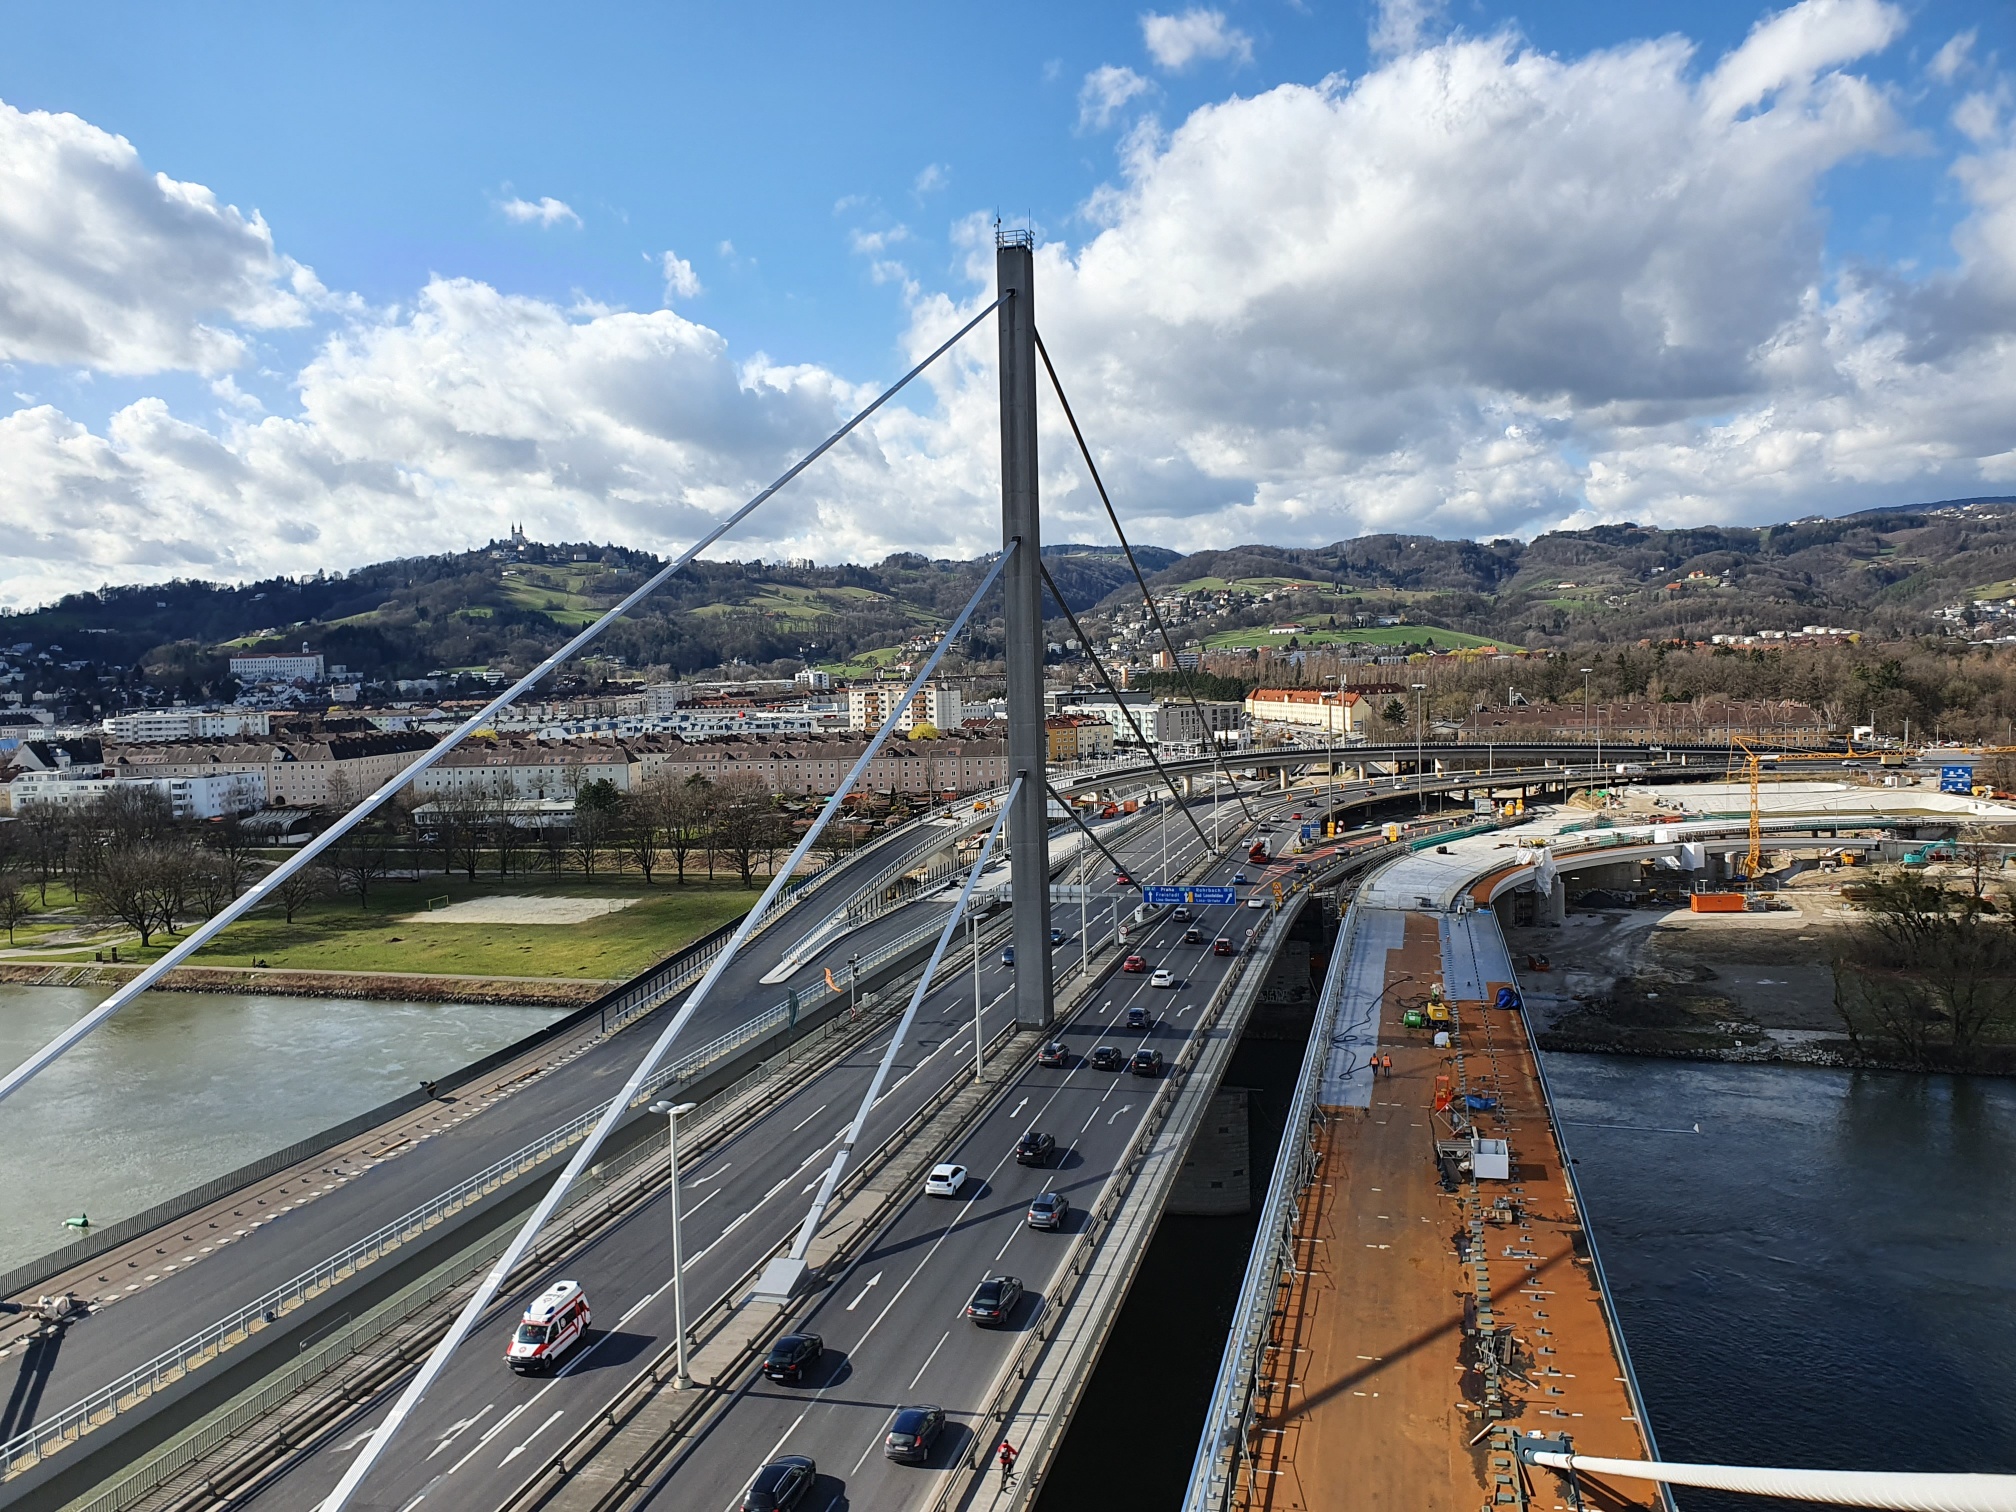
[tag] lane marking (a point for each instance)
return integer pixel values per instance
(453, 1433)
(1129, 1108)
(1019, 1107)
(808, 1117)
(736, 1504)
(533, 1435)
(929, 1358)
(713, 1175)
(495, 1428)
(873, 1281)
(414, 1503)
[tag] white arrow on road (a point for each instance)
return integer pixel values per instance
(872, 1281)
(1019, 1107)
(1116, 1117)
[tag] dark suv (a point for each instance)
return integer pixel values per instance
(1049, 1211)
(1056, 1053)
(1146, 1063)
(1108, 1058)
(993, 1300)
(791, 1356)
(1035, 1148)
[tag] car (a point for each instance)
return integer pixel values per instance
(1146, 1063)
(1049, 1211)
(1056, 1053)
(1193, 936)
(1056, 937)
(1134, 964)
(1222, 946)
(1180, 914)
(554, 1324)
(791, 1356)
(1256, 902)
(1035, 1148)
(1296, 815)
(1121, 879)
(1108, 1058)
(1137, 1016)
(1301, 868)
(994, 1300)
(1238, 879)
(1163, 977)
(781, 1484)
(947, 1180)
(912, 1432)
(1008, 955)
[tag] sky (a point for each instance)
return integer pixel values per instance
(290, 289)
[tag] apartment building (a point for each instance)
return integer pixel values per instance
(530, 769)
(156, 725)
(298, 773)
(936, 704)
(1334, 711)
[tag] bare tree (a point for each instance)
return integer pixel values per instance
(638, 831)
(744, 822)
(308, 885)
(230, 847)
(137, 885)
(461, 819)
(686, 820)
(15, 909)
(597, 809)
(358, 862)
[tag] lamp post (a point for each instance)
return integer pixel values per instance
(1585, 709)
(853, 988)
(672, 1111)
(1420, 780)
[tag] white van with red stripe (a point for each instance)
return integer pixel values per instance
(553, 1325)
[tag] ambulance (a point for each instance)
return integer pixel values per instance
(553, 1325)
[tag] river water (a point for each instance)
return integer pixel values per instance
(181, 1087)
(1825, 1275)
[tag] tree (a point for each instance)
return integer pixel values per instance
(141, 886)
(308, 885)
(686, 807)
(358, 862)
(48, 836)
(1927, 970)
(230, 848)
(744, 820)
(638, 827)
(1395, 712)
(597, 811)
(460, 819)
(14, 907)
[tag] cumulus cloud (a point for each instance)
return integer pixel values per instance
(1105, 93)
(1952, 57)
(1477, 290)
(681, 282)
(543, 212)
(1401, 26)
(1175, 42)
(105, 265)
(933, 177)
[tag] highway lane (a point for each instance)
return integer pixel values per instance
(267, 1242)
(468, 1441)
(893, 1324)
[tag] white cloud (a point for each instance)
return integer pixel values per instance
(869, 243)
(681, 282)
(1175, 42)
(1401, 26)
(934, 177)
(104, 265)
(1950, 59)
(542, 212)
(1478, 290)
(1105, 93)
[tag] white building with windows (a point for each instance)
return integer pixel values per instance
(265, 668)
(188, 724)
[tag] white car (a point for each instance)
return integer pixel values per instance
(1163, 978)
(946, 1180)
(1256, 902)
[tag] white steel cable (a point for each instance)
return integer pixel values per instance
(259, 892)
(838, 1168)
(1904, 1491)
(620, 1104)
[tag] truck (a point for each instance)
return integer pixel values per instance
(1258, 854)
(1630, 769)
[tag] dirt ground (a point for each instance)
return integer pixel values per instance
(1666, 979)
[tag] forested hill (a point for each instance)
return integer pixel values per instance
(1882, 572)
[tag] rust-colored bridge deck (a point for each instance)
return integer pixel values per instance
(1376, 1394)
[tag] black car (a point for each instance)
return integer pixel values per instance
(993, 1300)
(1108, 1058)
(780, 1485)
(1301, 867)
(1146, 1063)
(1056, 937)
(1049, 1211)
(912, 1432)
(791, 1356)
(1035, 1148)
(1056, 1053)
(1193, 936)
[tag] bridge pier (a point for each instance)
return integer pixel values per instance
(1216, 1179)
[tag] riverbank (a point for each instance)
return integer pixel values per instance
(369, 986)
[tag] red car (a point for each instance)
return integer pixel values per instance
(1134, 963)
(1221, 946)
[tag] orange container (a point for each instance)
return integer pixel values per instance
(1718, 903)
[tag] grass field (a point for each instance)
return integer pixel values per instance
(1381, 635)
(394, 935)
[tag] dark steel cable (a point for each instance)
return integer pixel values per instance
(1189, 687)
(1119, 869)
(1147, 745)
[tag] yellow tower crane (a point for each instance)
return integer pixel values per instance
(1753, 863)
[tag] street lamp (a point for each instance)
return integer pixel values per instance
(853, 988)
(1585, 710)
(672, 1111)
(1420, 782)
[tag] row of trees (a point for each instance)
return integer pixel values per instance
(1929, 972)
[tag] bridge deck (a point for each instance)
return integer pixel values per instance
(1375, 1395)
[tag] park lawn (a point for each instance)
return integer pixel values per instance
(336, 936)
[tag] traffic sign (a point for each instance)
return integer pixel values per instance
(1956, 779)
(1206, 897)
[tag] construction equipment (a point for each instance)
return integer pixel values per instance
(1753, 863)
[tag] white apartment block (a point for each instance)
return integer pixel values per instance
(187, 724)
(935, 705)
(210, 796)
(307, 667)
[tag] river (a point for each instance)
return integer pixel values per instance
(181, 1087)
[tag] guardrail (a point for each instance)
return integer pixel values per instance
(138, 1385)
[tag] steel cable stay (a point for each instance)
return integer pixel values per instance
(620, 1104)
(793, 1264)
(260, 891)
(1189, 684)
(1106, 678)
(1902, 1490)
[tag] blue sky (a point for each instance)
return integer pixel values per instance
(763, 143)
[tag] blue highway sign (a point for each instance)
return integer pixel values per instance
(1207, 897)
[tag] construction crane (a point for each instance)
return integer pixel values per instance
(1753, 863)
